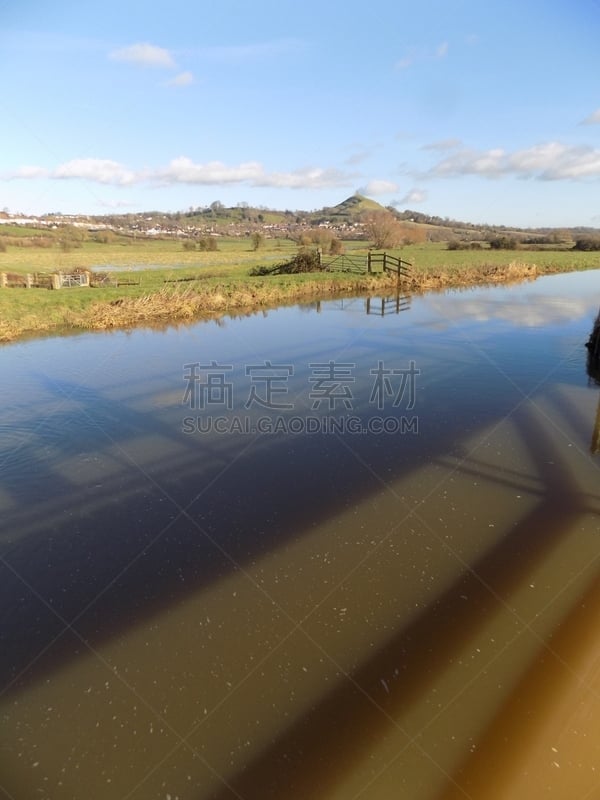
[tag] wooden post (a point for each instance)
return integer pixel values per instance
(56, 282)
(3, 280)
(369, 263)
(28, 280)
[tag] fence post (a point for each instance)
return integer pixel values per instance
(28, 280)
(369, 263)
(3, 280)
(56, 282)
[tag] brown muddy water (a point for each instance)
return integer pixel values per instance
(311, 553)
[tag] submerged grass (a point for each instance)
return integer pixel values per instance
(176, 285)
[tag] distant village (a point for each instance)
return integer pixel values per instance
(220, 222)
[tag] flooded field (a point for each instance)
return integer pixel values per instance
(338, 551)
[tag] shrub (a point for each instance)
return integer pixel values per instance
(105, 237)
(336, 247)
(207, 243)
(587, 243)
(257, 240)
(304, 261)
(504, 243)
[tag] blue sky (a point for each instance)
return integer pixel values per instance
(485, 112)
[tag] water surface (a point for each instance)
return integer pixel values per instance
(314, 552)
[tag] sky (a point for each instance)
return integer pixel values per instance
(478, 111)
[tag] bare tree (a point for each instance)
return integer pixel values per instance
(383, 229)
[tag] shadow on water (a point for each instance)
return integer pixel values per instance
(67, 541)
(312, 756)
(511, 737)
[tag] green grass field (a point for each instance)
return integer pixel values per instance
(224, 272)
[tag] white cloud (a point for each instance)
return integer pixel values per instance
(184, 170)
(95, 169)
(471, 162)
(377, 187)
(307, 178)
(547, 161)
(26, 173)
(442, 50)
(144, 55)
(413, 196)
(593, 119)
(183, 79)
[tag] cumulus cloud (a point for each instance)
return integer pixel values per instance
(183, 170)
(593, 118)
(95, 169)
(144, 55)
(307, 178)
(547, 161)
(183, 79)
(377, 187)
(413, 196)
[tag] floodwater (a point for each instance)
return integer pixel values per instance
(310, 553)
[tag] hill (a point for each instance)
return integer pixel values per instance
(350, 210)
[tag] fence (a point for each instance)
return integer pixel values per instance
(371, 263)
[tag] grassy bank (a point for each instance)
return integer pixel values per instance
(177, 285)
